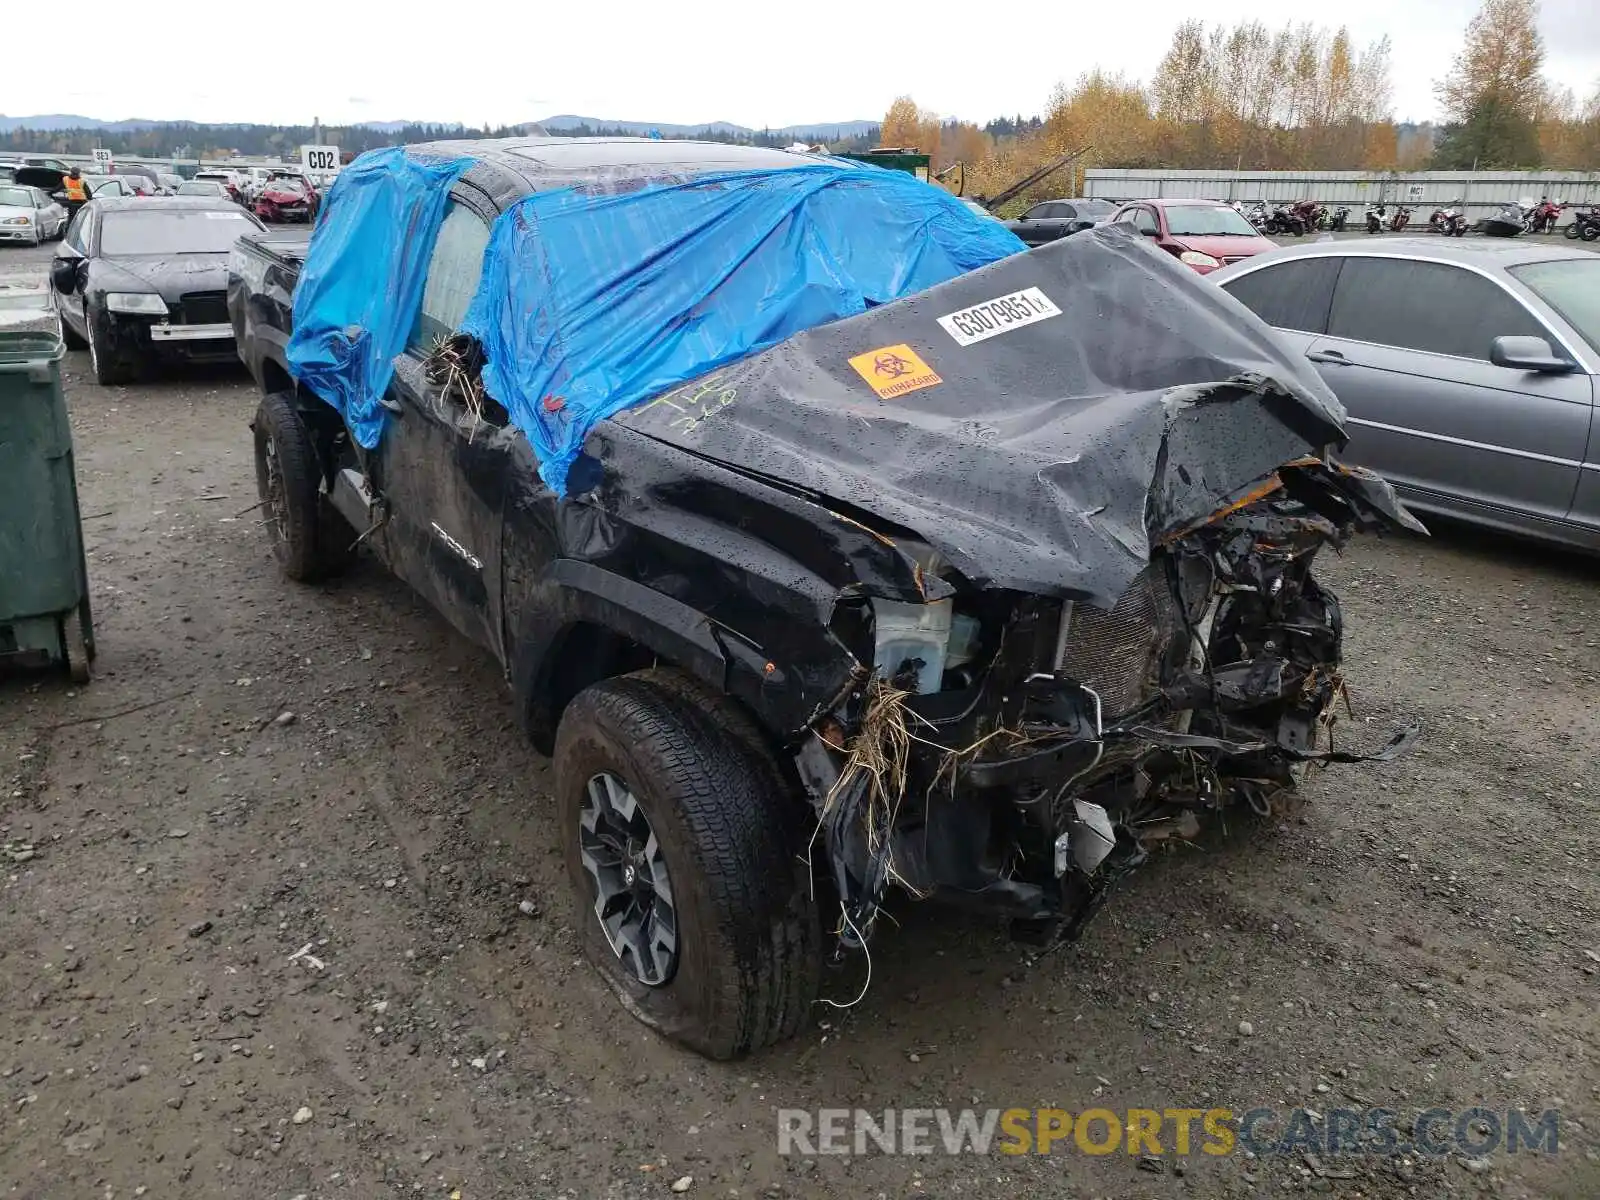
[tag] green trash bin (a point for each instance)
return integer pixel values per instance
(44, 580)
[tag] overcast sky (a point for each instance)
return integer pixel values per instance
(754, 64)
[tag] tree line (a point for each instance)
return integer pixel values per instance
(184, 139)
(1251, 97)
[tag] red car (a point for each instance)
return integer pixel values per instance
(1201, 234)
(286, 198)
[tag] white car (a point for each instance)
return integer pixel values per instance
(29, 215)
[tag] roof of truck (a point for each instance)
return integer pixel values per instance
(551, 161)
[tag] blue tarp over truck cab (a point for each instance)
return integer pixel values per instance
(359, 289)
(597, 297)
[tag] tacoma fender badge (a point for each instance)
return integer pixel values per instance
(461, 551)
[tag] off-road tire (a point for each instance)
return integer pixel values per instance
(731, 831)
(309, 539)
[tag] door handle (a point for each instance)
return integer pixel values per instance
(1329, 356)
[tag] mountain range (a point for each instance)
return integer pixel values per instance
(817, 131)
(830, 131)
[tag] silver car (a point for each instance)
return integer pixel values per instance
(1468, 369)
(28, 215)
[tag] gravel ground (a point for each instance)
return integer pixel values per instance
(261, 769)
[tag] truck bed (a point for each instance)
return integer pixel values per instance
(262, 271)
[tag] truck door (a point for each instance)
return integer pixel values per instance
(442, 462)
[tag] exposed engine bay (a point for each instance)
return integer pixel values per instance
(1065, 741)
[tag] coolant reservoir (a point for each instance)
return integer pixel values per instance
(906, 631)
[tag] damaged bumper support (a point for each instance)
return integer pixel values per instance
(1092, 737)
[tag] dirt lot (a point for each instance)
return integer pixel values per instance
(1425, 934)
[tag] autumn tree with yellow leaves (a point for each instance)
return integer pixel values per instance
(1299, 97)
(1495, 93)
(1501, 110)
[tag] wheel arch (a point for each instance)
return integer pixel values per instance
(580, 623)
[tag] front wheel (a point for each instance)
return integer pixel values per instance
(108, 370)
(1572, 231)
(1591, 232)
(684, 846)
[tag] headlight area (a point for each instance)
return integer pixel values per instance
(1020, 753)
(24, 220)
(146, 304)
(1194, 258)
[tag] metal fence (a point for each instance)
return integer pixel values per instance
(1482, 192)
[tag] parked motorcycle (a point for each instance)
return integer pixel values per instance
(1585, 224)
(1257, 215)
(1451, 221)
(1375, 215)
(1545, 215)
(1308, 213)
(1338, 219)
(1511, 219)
(1401, 218)
(1286, 219)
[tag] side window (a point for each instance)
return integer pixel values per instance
(1432, 307)
(452, 276)
(40, 200)
(1067, 211)
(1144, 220)
(1038, 212)
(78, 231)
(1290, 295)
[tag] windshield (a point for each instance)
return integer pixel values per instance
(287, 185)
(1095, 208)
(1571, 286)
(1203, 220)
(15, 196)
(200, 187)
(170, 232)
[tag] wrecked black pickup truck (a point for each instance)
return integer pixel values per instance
(979, 595)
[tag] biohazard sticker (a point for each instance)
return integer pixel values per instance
(894, 370)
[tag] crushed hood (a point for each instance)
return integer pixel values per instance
(1040, 421)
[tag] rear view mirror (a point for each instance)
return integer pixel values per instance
(64, 274)
(1151, 232)
(1522, 353)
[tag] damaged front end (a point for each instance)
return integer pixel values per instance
(1048, 746)
(1048, 608)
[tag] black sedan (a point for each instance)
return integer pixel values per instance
(144, 281)
(1052, 219)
